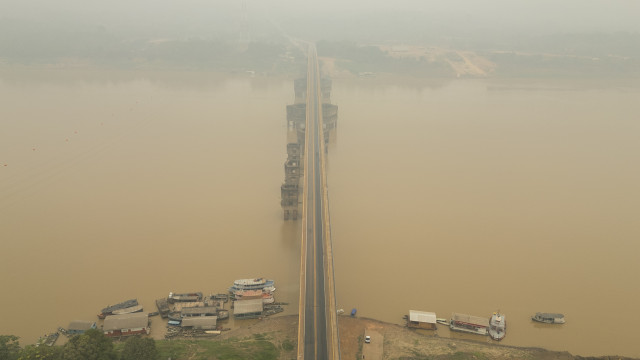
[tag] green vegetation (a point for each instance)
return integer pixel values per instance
(9, 347)
(251, 349)
(469, 356)
(287, 345)
(93, 345)
(137, 348)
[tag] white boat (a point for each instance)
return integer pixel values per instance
(267, 297)
(251, 284)
(497, 326)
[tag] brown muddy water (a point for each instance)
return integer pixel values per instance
(468, 196)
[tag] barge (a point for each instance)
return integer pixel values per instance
(111, 308)
(469, 324)
(129, 310)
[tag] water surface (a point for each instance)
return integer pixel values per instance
(467, 196)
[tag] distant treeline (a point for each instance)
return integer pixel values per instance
(359, 59)
(598, 55)
(572, 55)
(511, 64)
(96, 46)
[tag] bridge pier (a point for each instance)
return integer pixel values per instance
(290, 191)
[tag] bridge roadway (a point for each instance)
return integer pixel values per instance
(317, 328)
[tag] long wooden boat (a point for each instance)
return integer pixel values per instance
(129, 310)
(111, 308)
(548, 318)
(186, 297)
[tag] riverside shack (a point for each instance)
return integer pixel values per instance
(127, 324)
(421, 320)
(247, 309)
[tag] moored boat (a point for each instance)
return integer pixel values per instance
(549, 318)
(223, 314)
(222, 297)
(267, 297)
(163, 307)
(175, 316)
(469, 324)
(497, 326)
(251, 284)
(111, 308)
(129, 310)
(186, 297)
(48, 340)
(442, 321)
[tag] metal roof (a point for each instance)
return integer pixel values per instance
(200, 321)
(422, 316)
(126, 321)
(247, 306)
(470, 319)
(196, 311)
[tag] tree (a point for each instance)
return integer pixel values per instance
(41, 353)
(137, 348)
(9, 347)
(92, 345)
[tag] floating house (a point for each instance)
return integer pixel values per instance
(247, 309)
(127, 324)
(80, 326)
(421, 320)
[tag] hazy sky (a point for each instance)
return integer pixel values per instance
(206, 17)
(603, 14)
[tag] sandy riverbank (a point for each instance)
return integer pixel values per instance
(399, 342)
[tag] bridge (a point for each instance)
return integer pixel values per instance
(318, 322)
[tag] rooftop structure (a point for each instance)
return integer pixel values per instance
(422, 320)
(127, 324)
(247, 308)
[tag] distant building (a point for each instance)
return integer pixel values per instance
(247, 308)
(80, 326)
(421, 320)
(127, 324)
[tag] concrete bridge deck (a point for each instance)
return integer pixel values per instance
(318, 328)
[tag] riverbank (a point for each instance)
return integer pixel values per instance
(399, 342)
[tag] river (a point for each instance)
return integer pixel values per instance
(466, 196)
